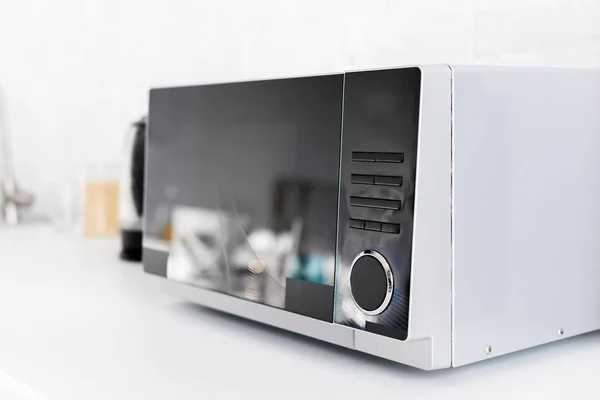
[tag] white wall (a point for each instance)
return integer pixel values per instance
(74, 73)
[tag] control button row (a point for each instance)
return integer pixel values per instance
(374, 226)
(376, 180)
(372, 202)
(362, 156)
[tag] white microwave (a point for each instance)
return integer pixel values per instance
(432, 215)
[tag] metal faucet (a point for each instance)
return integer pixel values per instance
(12, 199)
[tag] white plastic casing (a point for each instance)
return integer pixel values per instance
(507, 220)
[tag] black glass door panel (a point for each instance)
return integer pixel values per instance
(377, 189)
(243, 187)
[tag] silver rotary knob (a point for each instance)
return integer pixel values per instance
(371, 282)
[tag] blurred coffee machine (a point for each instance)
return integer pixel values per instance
(131, 193)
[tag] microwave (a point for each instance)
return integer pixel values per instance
(434, 216)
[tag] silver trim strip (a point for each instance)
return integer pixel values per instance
(417, 352)
(452, 158)
(283, 319)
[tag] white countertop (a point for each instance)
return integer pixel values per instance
(76, 323)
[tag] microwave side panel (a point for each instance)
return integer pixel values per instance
(526, 208)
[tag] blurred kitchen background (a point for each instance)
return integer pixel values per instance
(75, 74)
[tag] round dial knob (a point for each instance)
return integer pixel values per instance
(371, 282)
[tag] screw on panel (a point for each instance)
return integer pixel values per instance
(560, 332)
(488, 350)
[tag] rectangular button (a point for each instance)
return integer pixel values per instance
(372, 226)
(389, 157)
(375, 203)
(356, 223)
(362, 179)
(388, 180)
(390, 228)
(362, 156)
